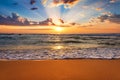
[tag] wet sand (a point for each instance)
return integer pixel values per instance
(78, 69)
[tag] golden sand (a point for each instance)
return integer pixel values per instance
(79, 69)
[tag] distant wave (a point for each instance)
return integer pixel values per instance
(49, 39)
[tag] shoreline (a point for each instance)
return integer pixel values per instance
(73, 59)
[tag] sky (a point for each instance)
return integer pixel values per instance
(60, 16)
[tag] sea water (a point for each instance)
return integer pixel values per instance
(57, 45)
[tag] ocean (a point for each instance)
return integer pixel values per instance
(27, 46)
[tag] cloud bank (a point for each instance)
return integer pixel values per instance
(114, 18)
(15, 19)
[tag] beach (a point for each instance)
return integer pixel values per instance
(59, 57)
(77, 69)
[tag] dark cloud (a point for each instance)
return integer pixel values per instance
(32, 2)
(61, 21)
(70, 2)
(34, 8)
(73, 23)
(115, 18)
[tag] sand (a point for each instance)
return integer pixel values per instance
(78, 69)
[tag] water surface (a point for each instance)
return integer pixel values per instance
(57, 41)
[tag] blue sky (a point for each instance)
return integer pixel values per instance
(80, 12)
(22, 8)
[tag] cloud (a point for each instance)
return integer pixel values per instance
(44, 2)
(113, 1)
(66, 3)
(106, 17)
(107, 13)
(32, 2)
(15, 19)
(48, 21)
(61, 21)
(115, 18)
(98, 9)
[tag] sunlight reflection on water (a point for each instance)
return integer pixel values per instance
(58, 47)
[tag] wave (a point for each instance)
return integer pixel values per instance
(50, 39)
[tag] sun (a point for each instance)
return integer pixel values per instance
(58, 29)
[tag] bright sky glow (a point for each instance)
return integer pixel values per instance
(58, 29)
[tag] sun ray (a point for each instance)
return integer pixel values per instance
(53, 12)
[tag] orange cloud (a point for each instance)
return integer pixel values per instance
(66, 3)
(98, 9)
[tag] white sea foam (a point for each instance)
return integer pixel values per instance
(100, 53)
